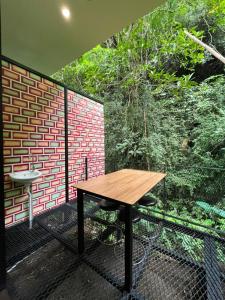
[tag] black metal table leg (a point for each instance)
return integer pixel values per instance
(128, 248)
(80, 220)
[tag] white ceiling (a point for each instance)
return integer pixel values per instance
(35, 34)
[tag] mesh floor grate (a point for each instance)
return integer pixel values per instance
(170, 261)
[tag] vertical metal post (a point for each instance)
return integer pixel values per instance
(128, 248)
(213, 278)
(66, 144)
(164, 190)
(2, 213)
(80, 220)
(86, 168)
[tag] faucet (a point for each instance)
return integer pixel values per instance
(32, 163)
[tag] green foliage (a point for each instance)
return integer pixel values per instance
(159, 110)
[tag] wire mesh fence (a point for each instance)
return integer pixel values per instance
(170, 261)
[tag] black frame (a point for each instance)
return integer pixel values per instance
(2, 208)
(66, 144)
(128, 237)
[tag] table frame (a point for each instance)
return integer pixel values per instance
(128, 233)
(128, 236)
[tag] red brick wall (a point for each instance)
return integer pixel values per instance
(34, 125)
(86, 138)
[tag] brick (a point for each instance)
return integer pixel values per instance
(54, 131)
(44, 185)
(60, 163)
(29, 144)
(11, 109)
(5, 82)
(50, 83)
(21, 199)
(44, 199)
(8, 220)
(43, 157)
(42, 87)
(20, 135)
(12, 160)
(8, 203)
(6, 99)
(54, 91)
(55, 105)
(38, 166)
(28, 81)
(26, 204)
(11, 75)
(9, 143)
(43, 115)
(54, 118)
(55, 156)
(49, 164)
(49, 137)
(55, 196)
(49, 150)
(49, 124)
(7, 169)
(21, 151)
(48, 96)
(61, 187)
(43, 129)
(43, 144)
(50, 204)
(21, 215)
(59, 125)
(49, 178)
(36, 150)
(19, 119)
(6, 117)
(49, 191)
(28, 159)
(13, 193)
(19, 86)
(42, 101)
(20, 103)
(19, 70)
(34, 91)
(38, 194)
(28, 128)
(55, 182)
(38, 208)
(35, 121)
(61, 200)
(35, 106)
(55, 170)
(23, 167)
(34, 76)
(7, 152)
(49, 110)
(28, 97)
(36, 136)
(29, 113)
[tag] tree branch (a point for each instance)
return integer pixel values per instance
(208, 48)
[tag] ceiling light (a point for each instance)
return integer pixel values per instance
(65, 12)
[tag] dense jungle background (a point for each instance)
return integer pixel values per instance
(164, 101)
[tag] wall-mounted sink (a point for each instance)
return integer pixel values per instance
(25, 177)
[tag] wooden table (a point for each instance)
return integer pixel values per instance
(126, 187)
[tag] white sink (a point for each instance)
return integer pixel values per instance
(25, 177)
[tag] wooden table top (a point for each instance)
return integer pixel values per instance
(126, 185)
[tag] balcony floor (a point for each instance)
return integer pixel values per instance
(170, 261)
